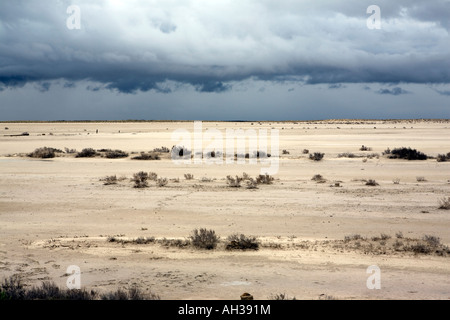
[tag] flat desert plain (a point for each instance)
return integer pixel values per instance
(317, 239)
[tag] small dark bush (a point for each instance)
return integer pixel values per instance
(109, 180)
(408, 154)
(285, 151)
(44, 153)
(132, 293)
(86, 153)
(188, 176)
(305, 151)
(317, 156)
(204, 239)
(443, 157)
(281, 296)
(371, 182)
(162, 182)
(241, 242)
(140, 179)
(364, 148)
(162, 150)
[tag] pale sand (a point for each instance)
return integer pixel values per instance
(62, 199)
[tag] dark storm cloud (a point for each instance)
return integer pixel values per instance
(394, 91)
(133, 46)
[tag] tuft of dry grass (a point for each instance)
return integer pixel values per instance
(444, 203)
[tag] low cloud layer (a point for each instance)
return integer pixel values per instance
(133, 46)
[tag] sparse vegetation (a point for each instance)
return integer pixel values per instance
(443, 157)
(316, 156)
(421, 179)
(131, 293)
(152, 176)
(396, 181)
(251, 184)
(204, 239)
(305, 151)
(241, 242)
(285, 151)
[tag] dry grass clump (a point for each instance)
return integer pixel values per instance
(109, 180)
(188, 176)
(241, 242)
(365, 148)
(305, 151)
(251, 183)
(444, 203)
(162, 182)
(131, 293)
(204, 239)
(140, 240)
(162, 150)
(421, 179)
(443, 157)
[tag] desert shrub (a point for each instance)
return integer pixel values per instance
(162, 182)
(245, 176)
(316, 156)
(115, 154)
(396, 181)
(387, 151)
(147, 156)
(152, 176)
(178, 243)
(264, 179)
(407, 153)
(140, 179)
(188, 176)
(364, 148)
(206, 179)
(109, 180)
(444, 203)
(371, 182)
(260, 154)
(399, 235)
(421, 179)
(305, 151)
(234, 182)
(432, 240)
(43, 153)
(241, 242)
(204, 239)
(12, 289)
(285, 151)
(251, 184)
(162, 150)
(86, 153)
(318, 178)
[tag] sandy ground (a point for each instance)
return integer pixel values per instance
(56, 212)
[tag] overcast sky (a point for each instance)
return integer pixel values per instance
(223, 60)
